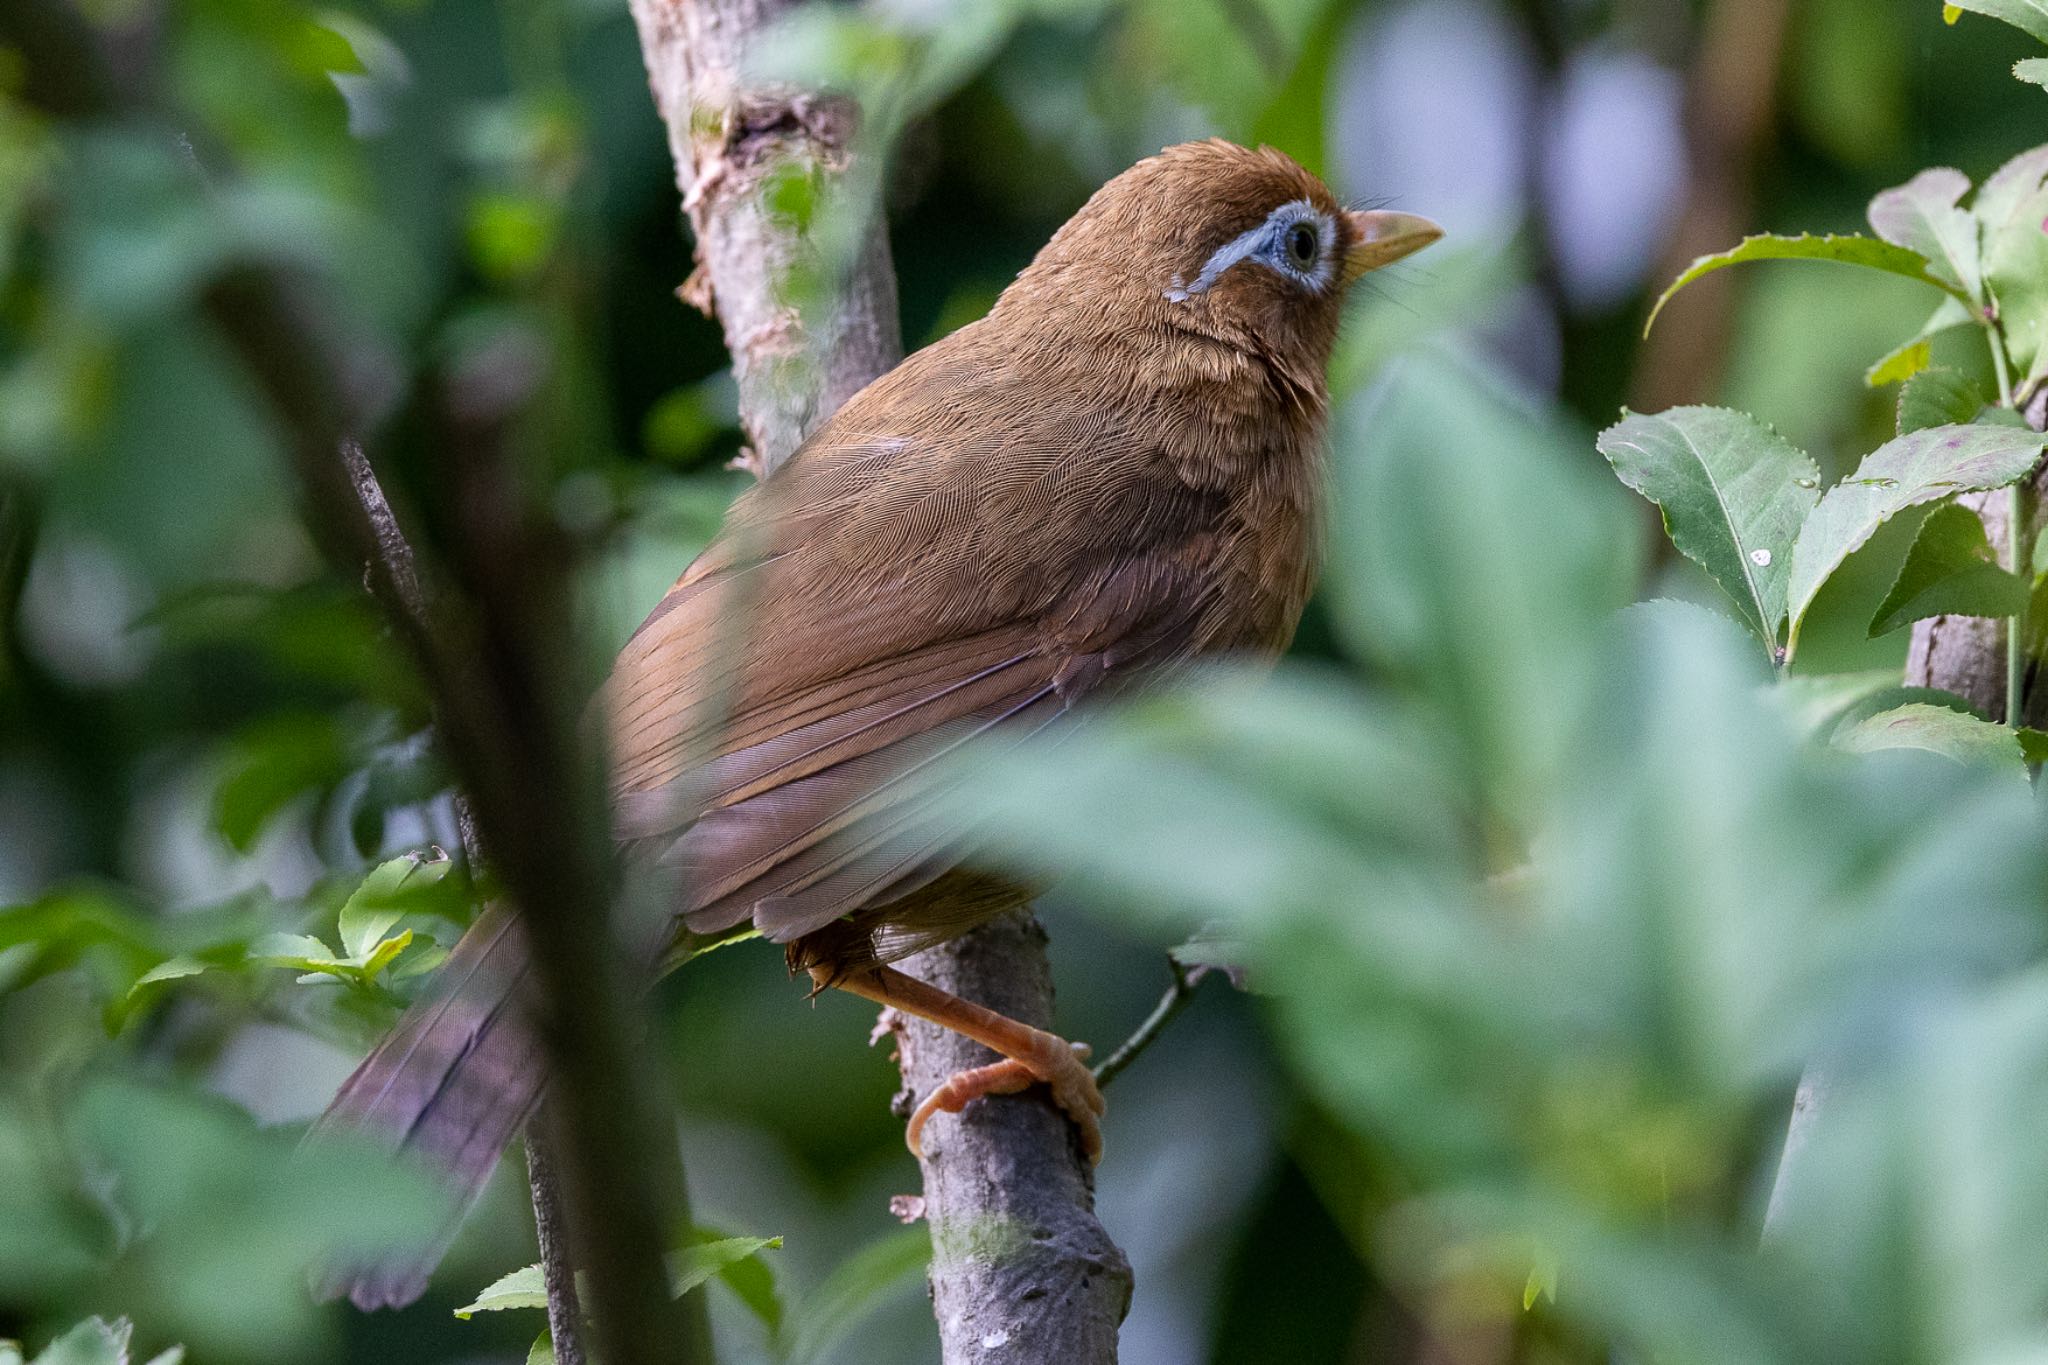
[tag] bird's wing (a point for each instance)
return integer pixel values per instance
(778, 722)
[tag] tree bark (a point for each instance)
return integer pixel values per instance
(1966, 654)
(1022, 1270)
(727, 138)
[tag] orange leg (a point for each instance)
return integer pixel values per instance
(1030, 1054)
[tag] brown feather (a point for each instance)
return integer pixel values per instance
(1112, 473)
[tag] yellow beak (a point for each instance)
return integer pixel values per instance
(1381, 237)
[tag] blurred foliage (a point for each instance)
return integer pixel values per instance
(1552, 896)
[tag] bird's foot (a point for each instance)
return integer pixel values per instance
(1057, 1063)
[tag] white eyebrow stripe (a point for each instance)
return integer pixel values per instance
(1239, 247)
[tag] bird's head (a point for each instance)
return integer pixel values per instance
(1242, 245)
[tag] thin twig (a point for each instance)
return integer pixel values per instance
(1177, 998)
(565, 1327)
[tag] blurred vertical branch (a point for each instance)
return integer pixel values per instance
(409, 601)
(1728, 109)
(1009, 1168)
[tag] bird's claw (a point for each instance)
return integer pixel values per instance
(1060, 1065)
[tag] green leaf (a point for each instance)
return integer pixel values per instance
(1734, 494)
(2033, 745)
(542, 1352)
(1925, 216)
(1950, 571)
(752, 1281)
(2030, 15)
(2012, 206)
(92, 1342)
(1905, 472)
(829, 1314)
(2033, 70)
(1902, 364)
(1892, 697)
(1939, 397)
(1936, 729)
(389, 891)
(1915, 355)
(271, 762)
(300, 951)
(2009, 187)
(1850, 249)
(1819, 701)
(525, 1288)
(693, 1265)
(170, 969)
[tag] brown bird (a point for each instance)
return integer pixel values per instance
(1113, 473)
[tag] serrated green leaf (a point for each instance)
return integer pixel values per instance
(693, 1265)
(390, 890)
(303, 951)
(2033, 745)
(1935, 729)
(1849, 249)
(92, 1342)
(1951, 570)
(170, 969)
(1895, 695)
(1939, 397)
(1916, 354)
(752, 1281)
(1817, 702)
(1733, 492)
(1925, 216)
(1905, 472)
(2032, 70)
(524, 1288)
(2028, 15)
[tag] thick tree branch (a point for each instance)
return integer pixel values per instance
(1022, 1271)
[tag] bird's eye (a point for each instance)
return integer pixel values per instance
(1303, 246)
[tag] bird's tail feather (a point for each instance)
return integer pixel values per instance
(450, 1086)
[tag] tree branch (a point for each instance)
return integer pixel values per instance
(1018, 1256)
(1179, 994)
